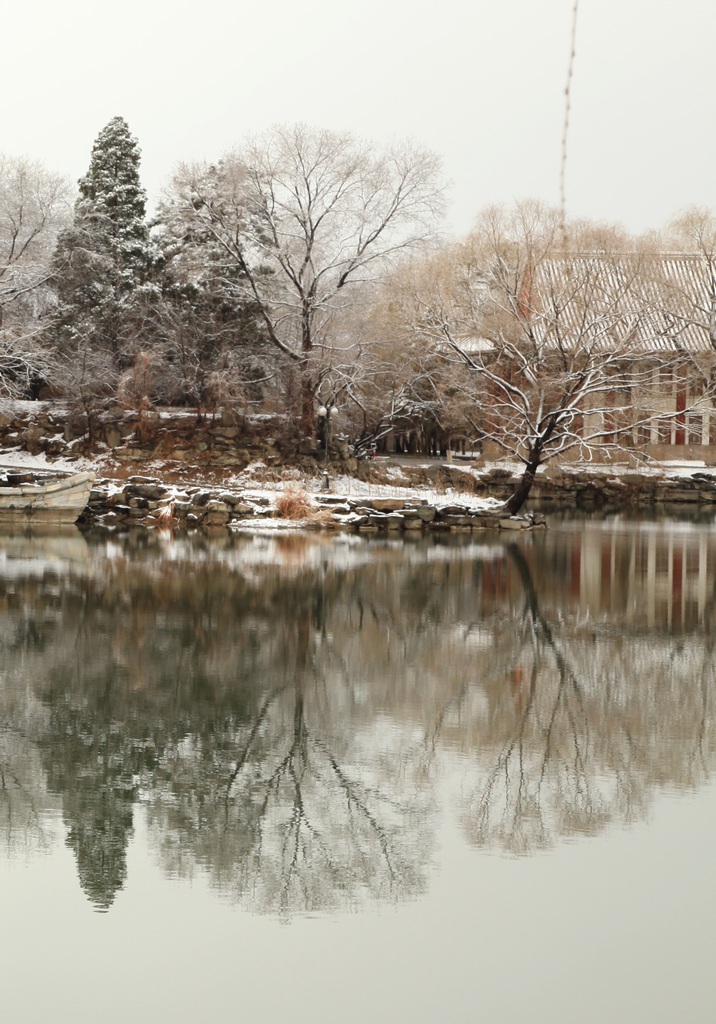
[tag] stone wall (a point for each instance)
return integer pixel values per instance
(620, 488)
(180, 440)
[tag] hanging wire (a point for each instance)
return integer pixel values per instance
(565, 127)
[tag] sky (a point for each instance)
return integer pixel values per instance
(480, 82)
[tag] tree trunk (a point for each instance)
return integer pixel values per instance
(308, 411)
(521, 493)
(308, 390)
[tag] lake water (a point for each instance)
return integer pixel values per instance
(312, 779)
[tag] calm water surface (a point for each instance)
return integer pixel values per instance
(310, 779)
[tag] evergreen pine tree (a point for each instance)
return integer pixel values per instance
(105, 262)
(112, 204)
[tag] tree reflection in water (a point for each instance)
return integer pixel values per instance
(298, 808)
(282, 711)
(586, 719)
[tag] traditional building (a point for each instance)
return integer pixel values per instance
(640, 330)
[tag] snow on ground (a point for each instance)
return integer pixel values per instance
(252, 480)
(14, 459)
(250, 483)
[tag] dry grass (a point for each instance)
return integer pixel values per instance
(295, 503)
(166, 514)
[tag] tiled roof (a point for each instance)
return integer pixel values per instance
(641, 304)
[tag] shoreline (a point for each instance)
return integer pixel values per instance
(291, 501)
(144, 501)
(391, 495)
(174, 468)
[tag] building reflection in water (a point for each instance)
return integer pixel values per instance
(657, 576)
(285, 711)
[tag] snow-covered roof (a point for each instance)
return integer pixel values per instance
(474, 345)
(663, 303)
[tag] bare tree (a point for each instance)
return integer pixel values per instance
(301, 215)
(568, 347)
(88, 377)
(694, 234)
(34, 206)
(689, 290)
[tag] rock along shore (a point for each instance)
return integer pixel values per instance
(147, 502)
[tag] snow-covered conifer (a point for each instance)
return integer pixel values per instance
(105, 264)
(112, 203)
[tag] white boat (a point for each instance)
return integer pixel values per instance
(42, 496)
